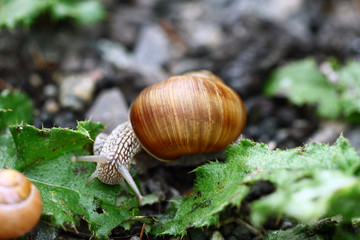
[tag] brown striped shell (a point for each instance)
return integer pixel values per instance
(187, 114)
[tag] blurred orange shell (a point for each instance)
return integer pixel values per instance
(20, 204)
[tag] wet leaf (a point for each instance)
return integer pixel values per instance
(44, 156)
(15, 108)
(303, 84)
(310, 182)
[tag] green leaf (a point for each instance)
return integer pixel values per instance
(24, 12)
(310, 198)
(349, 80)
(89, 128)
(35, 145)
(303, 83)
(341, 156)
(310, 181)
(15, 108)
(327, 228)
(308, 184)
(83, 12)
(13, 12)
(67, 197)
(44, 157)
(217, 186)
(345, 201)
(7, 151)
(312, 231)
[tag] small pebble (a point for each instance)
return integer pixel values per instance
(50, 90)
(353, 135)
(35, 80)
(174, 193)
(216, 236)
(153, 47)
(76, 90)
(125, 22)
(45, 119)
(115, 54)
(51, 106)
(150, 75)
(66, 120)
(72, 61)
(204, 34)
(154, 186)
(109, 108)
(328, 132)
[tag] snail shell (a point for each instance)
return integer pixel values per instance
(187, 114)
(20, 204)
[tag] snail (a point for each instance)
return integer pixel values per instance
(186, 114)
(20, 204)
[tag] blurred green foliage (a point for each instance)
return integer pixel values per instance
(14, 12)
(336, 94)
(312, 185)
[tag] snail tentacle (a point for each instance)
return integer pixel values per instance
(185, 114)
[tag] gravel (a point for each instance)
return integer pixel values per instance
(95, 72)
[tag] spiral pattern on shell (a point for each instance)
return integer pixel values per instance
(187, 114)
(20, 204)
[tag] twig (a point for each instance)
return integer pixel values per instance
(142, 231)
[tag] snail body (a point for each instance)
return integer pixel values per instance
(20, 204)
(186, 114)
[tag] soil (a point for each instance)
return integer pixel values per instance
(143, 42)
